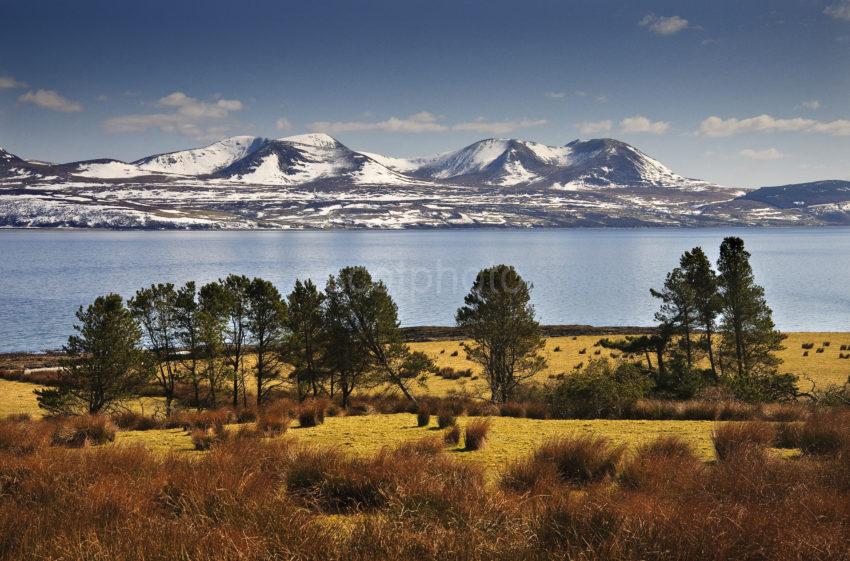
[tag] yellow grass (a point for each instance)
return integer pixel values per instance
(509, 439)
(824, 368)
(17, 398)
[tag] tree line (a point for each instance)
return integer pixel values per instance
(332, 342)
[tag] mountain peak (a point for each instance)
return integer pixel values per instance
(315, 139)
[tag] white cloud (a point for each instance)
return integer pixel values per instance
(283, 124)
(498, 127)
(555, 95)
(663, 25)
(423, 122)
(188, 116)
(9, 83)
(50, 99)
(812, 104)
(191, 107)
(766, 154)
(416, 123)
(595, 127)
(640, 124)
(839, 10)
(717, 127)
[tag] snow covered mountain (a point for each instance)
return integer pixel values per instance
(203, 161)
(314, 181)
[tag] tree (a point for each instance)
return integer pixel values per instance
(506, 339)
(372, 318)
(105, 363)
(702, 281)
(187, 324)
(154, 308)
(236, 329)
(348, 363)
(266, 323)
(212, 318)
(678, 310)
(304, 345)
(749, 336)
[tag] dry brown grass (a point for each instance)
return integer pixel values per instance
(250, 498)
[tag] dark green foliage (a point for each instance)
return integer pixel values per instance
(506, 339)
(266, 323)
(600, 390)
(105, 363)
(750, 339)
(305, 346)
(155, 309)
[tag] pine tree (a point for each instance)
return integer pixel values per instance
(349, 365)
(371, 315)
(304, 345)
(187, 324)
(678, 310)
(105, 363)
(266, 324)
(750, 339)
(702, 281)
(154, 308)
(506, 339)
(236, 330)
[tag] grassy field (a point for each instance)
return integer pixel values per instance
(509, 439)
(823, 367)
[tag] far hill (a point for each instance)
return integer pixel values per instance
(798, 195)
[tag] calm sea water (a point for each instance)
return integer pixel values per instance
(597, 277)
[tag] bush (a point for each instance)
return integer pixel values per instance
(660, 465)
(512, 409)
(764, 388)
(476, 433)
(736, 439)
(581, 459)
(452, 436)
(597, 391)
(86, 430)
(203, 439)
(20, 436)
(423, 417)
(446, 419)
(130, 420)
(312, 413)
(825, 433)
(273, 423)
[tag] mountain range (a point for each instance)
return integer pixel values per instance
(315, 181)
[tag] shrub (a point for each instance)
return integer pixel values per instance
(819, 350)
(660, 464)
(85, 430)
(452, 436)
(130, 420)
(597, 391)
(312, 413)
(825, 433)
(536, 410)
(735, 439)
(581, 459)
(764, 388)
(476, 433)
(446, 419)
(512, 409)
(203, 439)
(22, 436)
(807, 346)
(423, 417)
(273, 423)
(826, 343)
(454, 353)
(556, 350)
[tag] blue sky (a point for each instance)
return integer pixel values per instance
(743, 93)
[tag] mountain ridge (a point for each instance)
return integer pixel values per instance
(314, 181)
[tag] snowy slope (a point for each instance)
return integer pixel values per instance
(203, 161)
(111, 169)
